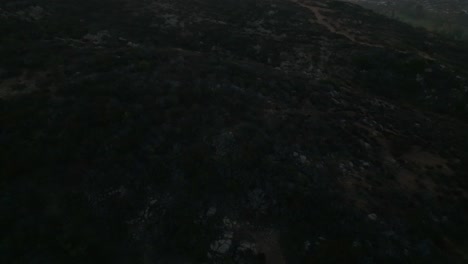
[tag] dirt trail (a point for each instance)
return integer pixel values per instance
(321, 19)
(268, 243)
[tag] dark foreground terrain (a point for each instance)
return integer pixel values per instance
(229, 131)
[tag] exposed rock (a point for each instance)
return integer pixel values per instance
(372, 217)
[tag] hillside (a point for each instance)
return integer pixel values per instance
(229, 131)
(448, 18)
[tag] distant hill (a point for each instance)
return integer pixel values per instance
(446, 17)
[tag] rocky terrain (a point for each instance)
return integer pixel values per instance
(222, 131)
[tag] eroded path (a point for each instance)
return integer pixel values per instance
(322, 20)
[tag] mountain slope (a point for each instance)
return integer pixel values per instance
(229, 132)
